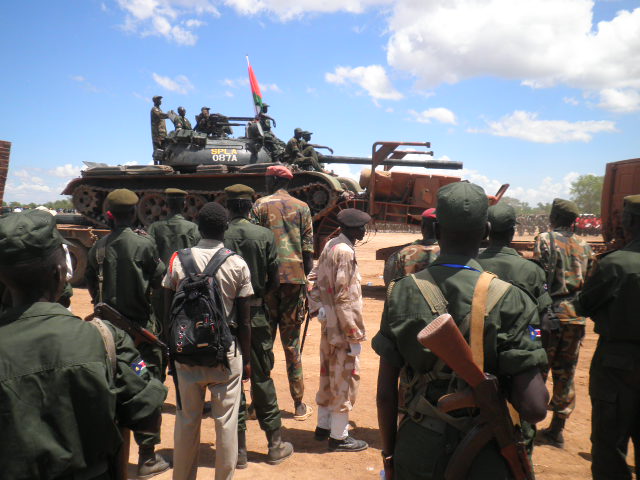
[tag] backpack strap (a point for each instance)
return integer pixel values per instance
(101, 251)
(217, 260)
(188, 262)
(109, 345)
(430, 291)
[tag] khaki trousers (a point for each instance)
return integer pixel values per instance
(225, 386)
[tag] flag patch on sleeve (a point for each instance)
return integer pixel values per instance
(534, 333)
(139, 367)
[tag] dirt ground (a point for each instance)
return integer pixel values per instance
(311, 459)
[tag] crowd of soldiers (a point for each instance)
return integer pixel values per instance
(298, 152)
(67, 386)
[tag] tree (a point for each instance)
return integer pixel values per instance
(586, 191)
(521, 208)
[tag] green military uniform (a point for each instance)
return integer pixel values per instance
(257, 247)
(158, 127)
(293, 150)
(567, 265)
(290, 221)
(131, 265)
(423, 448)
(60, 405)
(509, 266)
(424, 441)
(611, 297)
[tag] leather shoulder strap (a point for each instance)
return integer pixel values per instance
(488, 291)
(430, 291)
(217, 260)
(109, 345)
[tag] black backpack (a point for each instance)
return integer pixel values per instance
(199, 332)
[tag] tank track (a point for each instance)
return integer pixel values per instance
(90, 201)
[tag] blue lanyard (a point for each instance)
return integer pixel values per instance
(455, 265)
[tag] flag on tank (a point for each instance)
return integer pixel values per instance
(255, 89)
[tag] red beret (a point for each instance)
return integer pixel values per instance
(429, 213)
(279, 171)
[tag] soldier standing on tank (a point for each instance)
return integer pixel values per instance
(509, 266)
(417, 255)
(181, 122)
(338, 294)
(202, 120)
(421, 445)
(123, 267)
(158, 127)
(290, 221)
(257, 247)
(611, 297)
(567, 261)
(66, 385)
(171, 234)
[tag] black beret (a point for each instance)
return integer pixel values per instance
(352, 217)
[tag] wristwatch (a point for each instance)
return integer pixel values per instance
(387, 459)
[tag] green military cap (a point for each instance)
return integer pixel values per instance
(632, 204)
(462, 206)
(240, 191)
(121, 199)
(265, 105)
(352, 217)
(175, 192)
(28, 235)
(298, 130)
(502, 217)
(565, 208)
(157, 97)
(307, 132)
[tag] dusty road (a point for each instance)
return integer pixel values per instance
(311, 460)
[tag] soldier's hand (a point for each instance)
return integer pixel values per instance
(246, 372)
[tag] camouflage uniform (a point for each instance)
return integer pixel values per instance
(182, 122)
(337, 289)
(290, 221)
(158, 127)
(574, 261)
(293, 150)
(411, 259)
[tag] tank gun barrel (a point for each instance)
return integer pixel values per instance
(241, 119)
(393, 162)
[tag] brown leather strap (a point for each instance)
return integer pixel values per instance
(478, 314)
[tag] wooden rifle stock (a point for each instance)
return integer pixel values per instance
(445, 340)
(137, 332)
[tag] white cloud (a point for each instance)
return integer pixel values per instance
(541, 43)
(65, 171)
(85, 83)
(621, 101)
(544, 191)
(270, 87)
(527, 126)
(163, 18)
(373, 79)
(442, 115)
(22, 174)
(178, 84)
(227, 93)
(291, 9)
(571, 101)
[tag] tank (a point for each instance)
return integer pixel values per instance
(204, 164)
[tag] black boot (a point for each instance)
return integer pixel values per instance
(553, 435)
(348, 444)
(150, 463)
(242, 462)
(279, 451)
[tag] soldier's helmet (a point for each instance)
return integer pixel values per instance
(156, 98)
(298, 131)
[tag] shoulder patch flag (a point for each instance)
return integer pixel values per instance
(534, 333)
(139, 367)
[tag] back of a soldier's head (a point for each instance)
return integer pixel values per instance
(175, 199)
(121, 205)
(213, 220)
(502, 218)
(631, 215)
(239, 199)
(461, 212)
(563, 212)
(32, 261)
(181, 111)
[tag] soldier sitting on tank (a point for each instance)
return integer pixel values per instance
(181, 122)
(218, 126)
(202, 120)
(272, 143)
(309, 159)
(293, 150)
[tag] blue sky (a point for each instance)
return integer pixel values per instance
(527, 92)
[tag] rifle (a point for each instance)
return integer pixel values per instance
(137, 332)
(444, 339)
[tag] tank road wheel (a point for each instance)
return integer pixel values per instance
(85, 200)
(151, 207)
(78, 253)
(192, 206)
